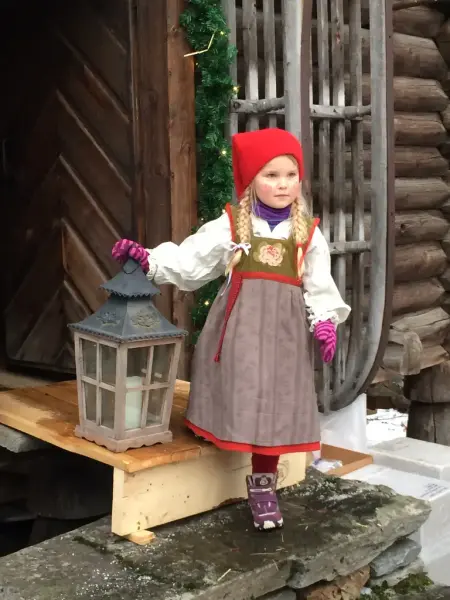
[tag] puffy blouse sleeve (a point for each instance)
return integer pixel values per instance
(322, 298)
(201, 258)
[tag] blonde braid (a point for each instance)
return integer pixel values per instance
(300, 229)
(243, 225)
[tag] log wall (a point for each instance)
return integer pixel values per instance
(421, 194)
(428, 391)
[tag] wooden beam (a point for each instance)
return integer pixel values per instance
(182, 143)
(149, 74)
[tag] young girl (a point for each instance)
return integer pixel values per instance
(252, 387)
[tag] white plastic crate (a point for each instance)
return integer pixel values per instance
(434, 535)
(414, 456)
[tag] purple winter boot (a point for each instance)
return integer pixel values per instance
(263, 501)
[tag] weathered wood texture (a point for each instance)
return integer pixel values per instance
(414, 56)
(410, 194)
(183, 172)
(429, 422)
(409, 161)
(432, 385)
(417, 295)
(87, 111)
(419, 261)
(422, 21)
(443, 41)
(412, 129)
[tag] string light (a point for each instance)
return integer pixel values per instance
(206, 303)
(223, 152)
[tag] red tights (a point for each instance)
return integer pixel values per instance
(264, 464)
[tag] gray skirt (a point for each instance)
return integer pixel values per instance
(262, 391)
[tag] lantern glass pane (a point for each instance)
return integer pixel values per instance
(108, 406)
(90, 400)
(162, 359)
(137, 363)
(156, 399)
(89, 357)
(108, 359)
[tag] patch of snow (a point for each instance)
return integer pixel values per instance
(385, 425)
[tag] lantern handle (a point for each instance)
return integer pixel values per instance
(130, 266)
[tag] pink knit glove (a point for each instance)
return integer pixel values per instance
(325, 333)
(126, 248)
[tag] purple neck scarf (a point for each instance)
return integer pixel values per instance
(273, 216)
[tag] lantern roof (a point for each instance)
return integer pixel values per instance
(129, 313)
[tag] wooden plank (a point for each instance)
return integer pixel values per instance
(292, 29)
(100, 174)
(50, 413)
(182, 138)
(80, 207)
(36, 290)
(33, 224)
(175, 491)
(42, 343)
(339, 171)
(85, 31)
(229, 9)
(270, 78)
(82, 268)
(250, 57)
(114, 14)
(357, 271)
(324, 188)
(97, 107)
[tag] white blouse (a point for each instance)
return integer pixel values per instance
(203, 257)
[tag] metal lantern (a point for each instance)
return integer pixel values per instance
(127, 357)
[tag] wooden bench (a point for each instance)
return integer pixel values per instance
(152, 485)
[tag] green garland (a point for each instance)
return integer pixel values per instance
(205, 25)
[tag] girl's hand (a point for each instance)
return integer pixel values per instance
(325, 333)
(126, 248)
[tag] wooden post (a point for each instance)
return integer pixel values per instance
(149, 75)
(182, 141)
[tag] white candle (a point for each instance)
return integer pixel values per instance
(133, 403)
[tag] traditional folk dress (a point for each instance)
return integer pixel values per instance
(252, 384)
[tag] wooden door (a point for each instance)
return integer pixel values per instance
(74, 143)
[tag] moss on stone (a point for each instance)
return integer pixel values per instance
(414, 583)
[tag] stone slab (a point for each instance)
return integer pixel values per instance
(285, 594)
(434, 536)
(415, 568)
(332, 527)
(399, 555)
(17, 441)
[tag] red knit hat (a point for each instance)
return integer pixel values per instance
(254, 149)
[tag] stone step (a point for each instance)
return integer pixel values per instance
(333, 527)
(434, 536)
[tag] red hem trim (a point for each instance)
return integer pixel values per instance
(269, 276)
(250, 448)
(230, 217)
